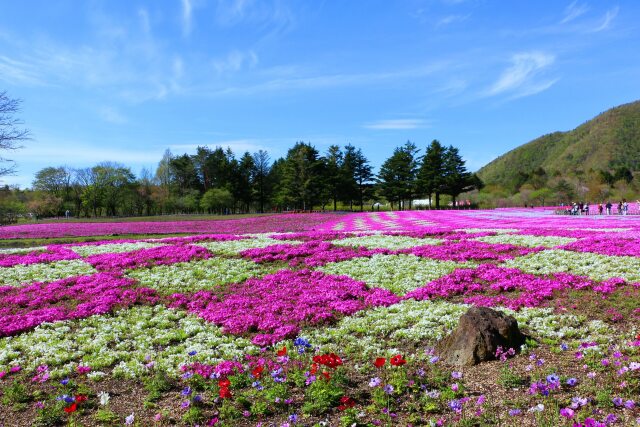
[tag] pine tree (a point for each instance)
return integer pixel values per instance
(431, 173)
(397, 177)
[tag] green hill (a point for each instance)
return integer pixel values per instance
(610, 140)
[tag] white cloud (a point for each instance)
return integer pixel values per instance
(607, 19)
(519, 79)
(396, 124)
(573, 11)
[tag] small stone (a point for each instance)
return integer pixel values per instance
(480, 332)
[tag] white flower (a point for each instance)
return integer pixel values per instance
(104, 398)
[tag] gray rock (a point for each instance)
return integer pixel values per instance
(480, 331)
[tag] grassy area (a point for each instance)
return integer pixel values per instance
(155, 218)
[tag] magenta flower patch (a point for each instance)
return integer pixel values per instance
(72, 298)
(277, 305)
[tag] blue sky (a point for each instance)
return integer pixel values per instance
(125, 80)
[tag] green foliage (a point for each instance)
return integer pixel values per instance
(50, 415)
(156, 385)
(610, 141)
(15, 393)
(321, 396)
(106, 417)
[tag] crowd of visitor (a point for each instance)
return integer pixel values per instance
(602, 208)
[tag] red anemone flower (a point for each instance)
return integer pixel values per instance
(70, 409)
(379, 362)
(397, 360)
(224, 383)
(346, 402)
(81, 398)
(257, 372)
(225, 393)
(282, 351)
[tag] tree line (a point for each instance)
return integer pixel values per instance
(216, 181)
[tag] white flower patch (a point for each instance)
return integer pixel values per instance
(388, 242)
(44, 272)
(112, 248)
(234, 247)
(384, 330)
(596, 266)
(197, 275)
(525, 240)
(123, 341)
(10, 251)
(398, 273)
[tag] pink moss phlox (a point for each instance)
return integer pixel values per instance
(71, 298)
(277, 305)
(311, 254)
(469, 250)
(491, 285)
(261, 224)
(50, 254)
(616, 245)
(161, 255)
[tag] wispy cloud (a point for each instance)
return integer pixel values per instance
(573, 11)
(285, 80)
(607, 19)
(235, 61)
(395, 124)
(187, 10)
(451, 19)
(519, 79)
(19, 72)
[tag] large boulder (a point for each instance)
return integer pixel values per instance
(479, 334)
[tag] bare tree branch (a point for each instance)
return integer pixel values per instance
(11, 134)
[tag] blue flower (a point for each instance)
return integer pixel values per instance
(572, 382)
(186, 391)
(65, 381)
(553, 378)
(455, 405)
(193, 353)
(564, 347)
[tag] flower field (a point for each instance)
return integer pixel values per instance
(321, 320)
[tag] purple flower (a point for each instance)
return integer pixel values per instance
(514, 412)
(388, 389)
(186, 391)
(375, 382)
(571, 382)
(567, 412)
(455, 405)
